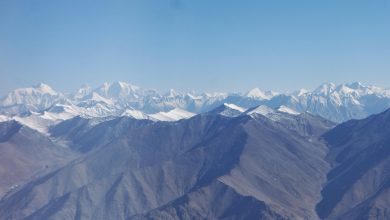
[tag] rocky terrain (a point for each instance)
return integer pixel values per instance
(228, 162)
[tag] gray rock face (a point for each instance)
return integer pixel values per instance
(26, 154)
(358, 185)
(215, 201)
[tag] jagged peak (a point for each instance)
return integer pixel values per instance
(45, 88)
(325, 88)
(172, 93)
(300, 92)
(117, 89)
(227, 109)
(258, 93)
(355, 85)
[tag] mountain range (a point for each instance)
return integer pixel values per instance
(121, 152)
(337, 103)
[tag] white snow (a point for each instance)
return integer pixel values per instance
(261, 110)
(44, 88)
(258, 94)
(173, 115)
(135, 114)
(234, 107)
(82, 92)
(61, 112)
(300, 92)
(97, 98)
(281, 113)
(325, 89)
(195, 97)
(288, 110)
(35, 122)
(228, 110)
(117, 90)
(4, 118)
(336, 103)
(172, 93)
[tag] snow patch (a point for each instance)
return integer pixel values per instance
(173, 115)
(135, 114)
(4, 118)
(288, 110)
(234, 107)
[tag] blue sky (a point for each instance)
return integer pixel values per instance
(210, 45)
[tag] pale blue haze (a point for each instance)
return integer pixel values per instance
(211, 45)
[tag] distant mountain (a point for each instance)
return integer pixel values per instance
(26, 100)
(337, 103)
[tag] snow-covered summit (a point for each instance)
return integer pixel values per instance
(45, 89)
(117, 90)
(228, 110)
(257, 93)
(325, 89)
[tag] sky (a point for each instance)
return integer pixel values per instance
(202, 45)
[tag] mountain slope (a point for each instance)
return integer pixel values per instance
(26, 154)
(215, 201)
(359, 184)
(140, 168)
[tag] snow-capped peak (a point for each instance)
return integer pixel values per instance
(82, 92)
(228, 110)
(44, 88)
(258, 94)
(300, 92)
(36, 98)
(325, 89)
(355, 85)
(171, 93)
(96, 97)
(344, 89)
(117, 90)
(336, 103)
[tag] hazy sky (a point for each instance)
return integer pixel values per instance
(211, 45)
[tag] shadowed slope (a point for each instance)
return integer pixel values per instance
(358, 185)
